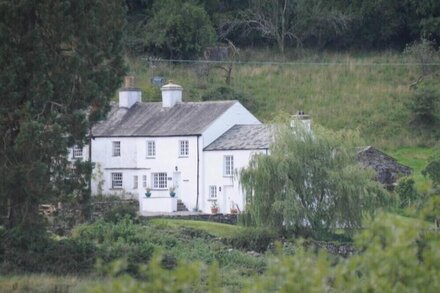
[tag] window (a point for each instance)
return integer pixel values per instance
(77, 152)
(144, 181)
(116, 180)
(151, 149)
(116, 148)
(228, 165)
(213, 191)
(159, 180)
(135, 182)
(183, 148)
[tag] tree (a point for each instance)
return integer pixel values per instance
(181, 29)
(61, 63)
(283, 21)
(432, 169)
(424, 106)
(311, 182)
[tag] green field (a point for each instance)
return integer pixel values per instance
(368, 92)
(416, 158)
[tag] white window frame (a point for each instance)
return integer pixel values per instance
(183, 148)
(151, 149)
(228, 165)
(212, 191)
(77, 152)
(144, 181)
(117, 180)
(135, 182)
(116, 148)
(159, 180)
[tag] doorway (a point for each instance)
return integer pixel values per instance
(176, 183)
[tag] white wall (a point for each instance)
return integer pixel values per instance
(134, 162)
(213, 165)
(236, 114)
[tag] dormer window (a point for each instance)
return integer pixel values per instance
(183, 148)
(77, 152)
(116, 148)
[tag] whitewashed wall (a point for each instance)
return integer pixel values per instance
(133, 161)
(231, 191)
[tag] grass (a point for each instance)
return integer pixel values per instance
(416, 158)
(214, 229)
(356, 91)
(46, 283)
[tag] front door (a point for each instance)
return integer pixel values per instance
(176, 183)
(227, 194)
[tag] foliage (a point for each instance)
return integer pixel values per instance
(179, 28)
(21, 251)
(287, 22)
(120, 212)
(311, 182)
(252, 239)
(425, 55)
(61, 63)
(425, 107)
(153, 278)
(432, 169)
(395, 255)
(406, 191)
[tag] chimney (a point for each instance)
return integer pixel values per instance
(303, 118)
(129, 95)
(171, 94)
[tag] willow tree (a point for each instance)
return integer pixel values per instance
(311, 182)
(61, 61)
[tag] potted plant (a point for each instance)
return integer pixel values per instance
(234, 211)
(172, 191)
(148, 192)
(214, 207)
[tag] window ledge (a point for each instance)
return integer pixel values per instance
(212, 199)
(183, 157)
(116, 188)
(149, 158)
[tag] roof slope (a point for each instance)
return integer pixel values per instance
(151, 119)
(244, 137)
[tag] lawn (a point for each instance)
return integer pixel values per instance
(214, 229)
(416, 158)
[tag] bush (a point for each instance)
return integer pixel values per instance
(256, 239)
(424, 107)
(26, 253)
(119, 212)
(407, 192)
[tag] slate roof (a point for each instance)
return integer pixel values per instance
(244, 137)
(151, 119)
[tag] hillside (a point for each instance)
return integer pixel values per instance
(368, 92)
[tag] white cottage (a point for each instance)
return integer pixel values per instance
(171, 145)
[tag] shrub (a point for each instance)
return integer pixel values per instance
(256, 239)
(119, 212)
(407, 192)
(424, 107)
(23, 253)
